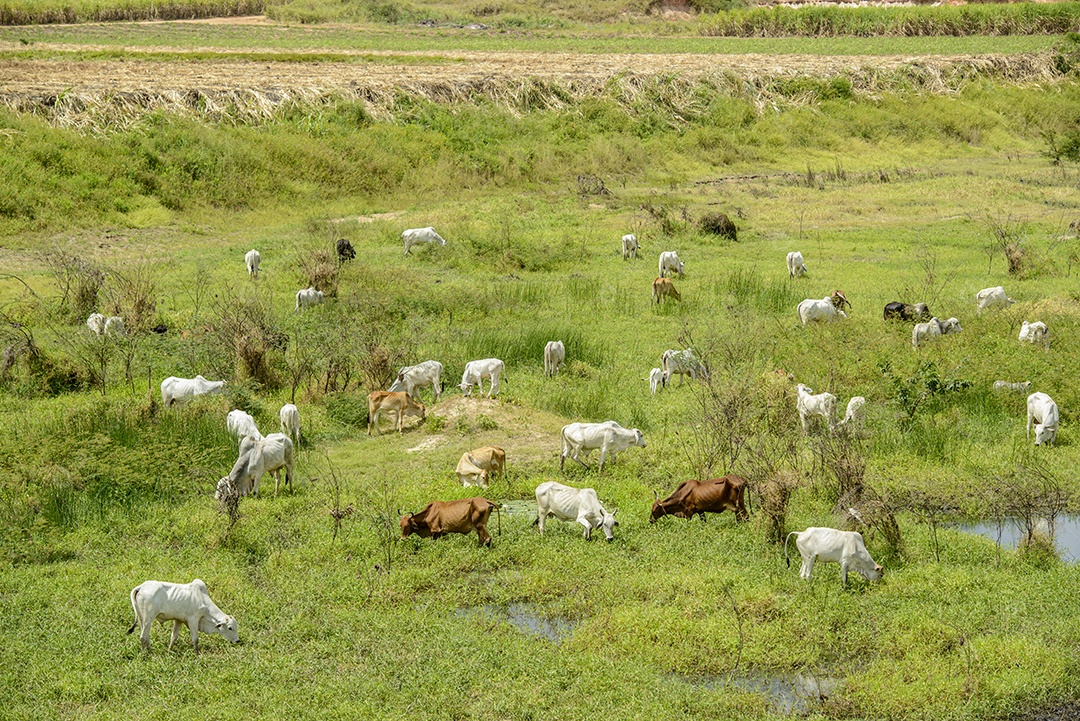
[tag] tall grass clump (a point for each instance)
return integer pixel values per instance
(37, 12)
(983, 19)
(524, 345)
(748, 287)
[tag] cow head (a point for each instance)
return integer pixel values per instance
(1044, 433)
(921, 311)
(658, 510)
(639, 440)
(608, 524)
(408, 526)
(871, 574)
(227, 629)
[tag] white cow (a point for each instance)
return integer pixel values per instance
(992, 298)
(181, 603)
(415, 236)
(475, 373)
(933, 328)
(308, 297)
(682, 363)
(554, 357)
(1036, 332)
(579, 505)
(795, 264)
(175, 389)
(657, 379)
(1042, 410)
(608, 436)
(822, 404)
(96, 323)
(114, 326)
(819, 310)
(855, 413)
(290, 422)
(252, 260)
(1023, 387)
(630, 246)
(242, 425)
(830, 545)
(670, 263)
(411, 378)
(257, 458)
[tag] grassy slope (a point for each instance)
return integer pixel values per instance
(977, 635)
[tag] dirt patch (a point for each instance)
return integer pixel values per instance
(428, 444)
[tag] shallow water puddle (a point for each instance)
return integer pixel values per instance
(527, 618)
(788, 693)
(1009, 533)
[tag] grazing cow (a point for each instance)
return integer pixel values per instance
(830, 545)
(114, 326)
(398, 402)
(822, 404)
(476, 468)
(855, 413)
(819, 310)
(630, 246)
(181, 603)
(839, 300)
(682, 363)
(904, 311)
(416, 236)
(175, 389)
(700, 497)
(1042, 410)
(290, 422)
(670, 263)
(412, 378)
(608, 436)
(657, 379)
(1035, 333)
(933, 328)
(1023, 387)
(579, 505)
(475, 373)
(664, 288)
(257, 458)
(554, 357)
(345, 251)
(242, 425)
(96, 323)
(441, 517)
(252, 260)
(795, 264)
(308, 297)
(992, 298)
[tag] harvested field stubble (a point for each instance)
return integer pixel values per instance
(97, 95)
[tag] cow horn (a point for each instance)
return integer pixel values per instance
(655, 495)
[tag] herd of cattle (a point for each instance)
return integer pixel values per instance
(190, 603)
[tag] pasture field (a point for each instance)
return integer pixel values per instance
(892, 189)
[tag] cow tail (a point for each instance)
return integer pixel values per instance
(134, 593)
(498, 517)
(787, 558)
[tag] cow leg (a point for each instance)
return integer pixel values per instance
(175, 633)
(481, 531)
(193, 626)
(255, 486)
(603, 457)
(541, 518)
(843, 573)
(807, 567)
(588, 527)
(144, 633)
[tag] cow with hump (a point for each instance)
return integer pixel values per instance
(181, 603)
(700, 497)
(609, 437)
(441, 517)
(580, 505)
(830, 545)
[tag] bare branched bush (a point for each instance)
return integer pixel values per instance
(132, 293)
(773, 494)
(380, 502)
(841, 457)
(319, 269)
(1005, 236)
(1031, 495)
(229, 506)
(79, 282)
(865, 510)
(249, 332)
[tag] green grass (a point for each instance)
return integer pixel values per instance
(99, 494)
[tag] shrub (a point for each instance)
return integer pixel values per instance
(347, 409)
(718, 224)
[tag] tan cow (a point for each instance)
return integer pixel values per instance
(441, 517)
(397, 402)
(664, 288)
(476, 467)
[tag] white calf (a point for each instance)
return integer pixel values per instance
(670, 263)
(251, 260)
(554, 357)
(412, 378)
(822, 404)
(992, 298)
(181, 603)
(855, 413)
(657, 379)
(630, 246)
(1042, 409)
(96, 323)
(114, 326)
(933, 328)
(242, 425)
(1035, 333)
(819, 310)
(416, 236)
(830, 545)
(682, 363)
(795, 264)
(175, 389)
(308, 297)
(290, 422)
(1017, 387)
(475, 373)
(257, 458)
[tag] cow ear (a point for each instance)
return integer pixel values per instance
(219, 625)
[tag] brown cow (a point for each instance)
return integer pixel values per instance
(663, 288)
(441, 517)
(476, 468)
(698, 497)
(398, 402)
